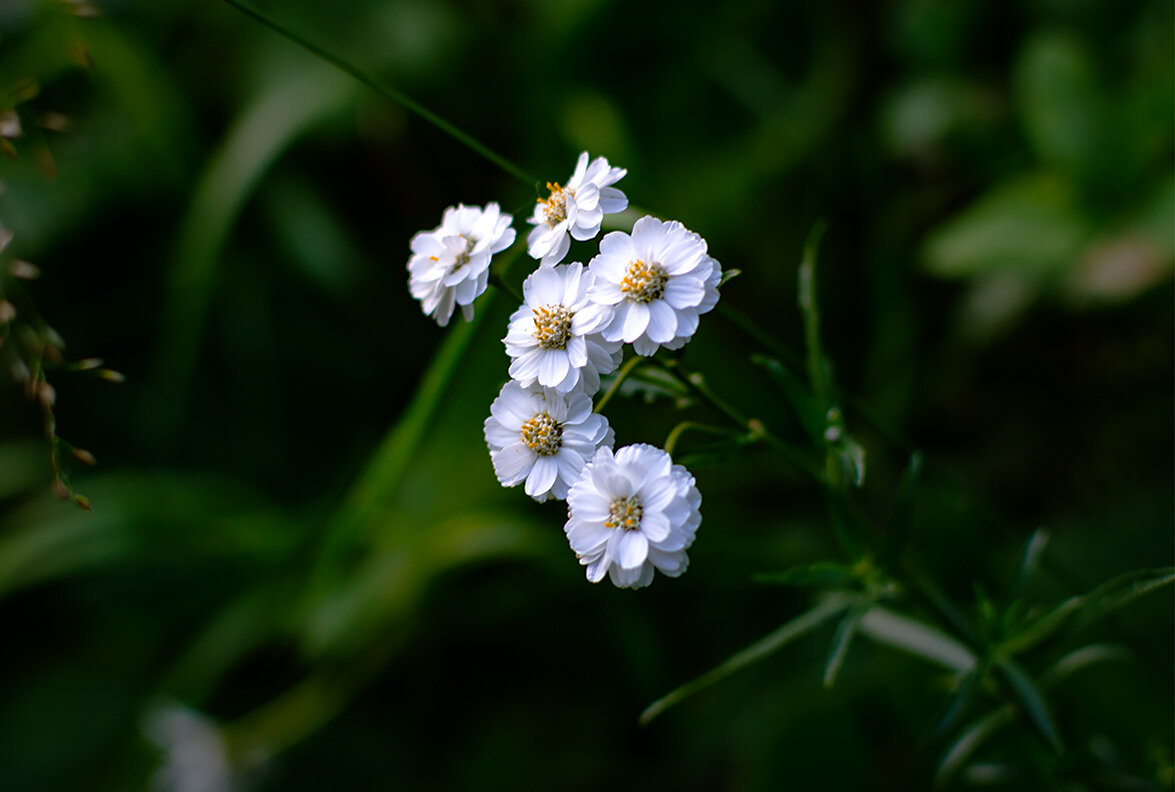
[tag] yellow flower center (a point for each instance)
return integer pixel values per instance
(556, 204)
(625, 514)
(644, 282)
(552, 326)
(542, 434)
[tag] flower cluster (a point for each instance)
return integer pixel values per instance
(631, 511)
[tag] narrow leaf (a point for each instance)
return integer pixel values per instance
(1082, 658)
(901, 518)
(728, 275)
(959, 701)
(818, 369)
(797, 394)
(1107, 597)
(970, 740)
(1123, 590)
(918, 638)
(1033, 702)
(1029, 563)
(802, 624)
(841, 640)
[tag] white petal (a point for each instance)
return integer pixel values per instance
(662, 322)
(635, 322)
(632, 548)
(513, 463)
(542, 476)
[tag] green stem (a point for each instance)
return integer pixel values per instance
(755, 428)
(391, 93)
(625, 370)
(677, 431)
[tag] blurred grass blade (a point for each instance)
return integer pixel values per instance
(797, 627)
(966, 743)
(1086, 608)
(280, 114)
(391, 93)
(901, 518)
(1032, 701)
(798, 396)
(826, 574)
(818, 370)
(959, 702)
(918, 638)
(379, 483)
(1082, 658)
(1029, 563)
(934, 595)
(842, 639)
(1123, 590)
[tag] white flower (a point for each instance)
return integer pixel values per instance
(631, 513)
(552, 336)
(544, 437)
(659, 280)
(450, 265)
(576, 209)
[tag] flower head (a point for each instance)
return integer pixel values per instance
(630, 513)
(658, 280)
(543, 437)
(552, 337)
(576, 209)
(450, 265)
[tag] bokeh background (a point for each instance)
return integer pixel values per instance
(299, 571)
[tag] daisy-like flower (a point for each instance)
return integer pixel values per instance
(658, 280)
(630, 513)
(450, 265)
(575, 210)
(553, 338)
(543, 437)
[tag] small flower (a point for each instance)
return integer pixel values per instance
(544, 437)
(658, 280)
(552, 336)
(630, 513)
(450, 265)
(577, 209)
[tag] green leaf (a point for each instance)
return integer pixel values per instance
(1086, 608)
(1061, 103)
(969, 740)
(979, 731)
(959, 702)
(901, 518)
(826, 574)
(1032, 701)
(797, 394)
(1028, 563)
(842, 638)
(917, 638)
(797, 627)
(1031, 227)
(818, 368)
(727, 276)
(1082, 658)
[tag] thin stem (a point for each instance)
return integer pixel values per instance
(755, 428)
(389, 92)
(625, 370)
(677, 431)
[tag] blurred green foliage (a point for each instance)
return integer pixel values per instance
(297, 537)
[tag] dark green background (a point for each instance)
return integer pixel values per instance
(226, 221)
